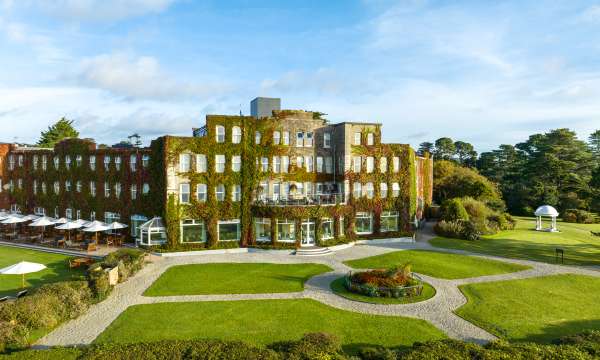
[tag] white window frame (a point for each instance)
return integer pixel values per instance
(192, 222)
(220, 134)
(201, 192)
(370, 139)
(236, 163)
(383, 190)
(396, 164)
(370, 164)
(220, 192)
(291, 222)
(276, 164)
(365, 215)
(285, 164)
(263, 222)
(201, 164)
(185, 162)
(319, 164)
(308, 139)
(357, 139)
(356, 164)
(286, 138)
(368, 190)
(356, 190)
(184, 193)
(326, 140)
(299, 138)
(220, 163)
(330, 221)
(228, 222)
(276, 138)
(236, 193)
(390, 214)
(236, 135)
(383, 164)
(395, 189)
(257, 137)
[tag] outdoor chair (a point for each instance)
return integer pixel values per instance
(71, 245)
(91, 247)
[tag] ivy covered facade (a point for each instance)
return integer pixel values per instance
(288, 180)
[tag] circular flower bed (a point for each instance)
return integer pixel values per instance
(397, 282)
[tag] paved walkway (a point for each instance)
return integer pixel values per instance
(439, 310)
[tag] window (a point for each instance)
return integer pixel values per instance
(319, 164)
(92, 188)
(257, 137)
(369, 190)
(192, 231)
(383, 165)
(326, 228)
(44, 162)
(201, 192)
(309, 163)
(356, 138)
(110, 217)
(236, 135)
(136, 221)
(92, 215)
(286, 138)
(145, 188)
(326, 140)
(34, 188)
(220, 192)
(200, 163)
(299, 162)
(67, 161)
(220, 163)
(106, 189)
(236, 193)
(69, 213)
(78, 186)
(389, 221)
(285, 164)
(56, 187)
(383, 189)
(299, 139)
(11, 186)
(56, 162)
(262, 229)
(40, 211)
(145, 160)
(276, 164)
(78, 214)
(20, 160)
(229, 230)
(396, 164)
(264, 162)
(328, 164)
(276, 190)
(370, 139)
(44, 188)
(11, 162)
(236, 163)
(395, 189)
(118, 190)
(220, 130)
(132, 162)
(35, 162)
(106, 162)
(93, 162)
(79, 160)
(356, 190)
(184, 193)
(308, 139)
(370, 164)
(364, 223)
(133, 192)
(185, 162)
(20, 183)
(286, 230)
(276, 137)
(356, 164)
(118, 162)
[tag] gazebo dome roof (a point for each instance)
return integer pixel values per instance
(546, 210)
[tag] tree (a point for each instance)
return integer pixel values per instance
(466, 153)
(594, 142)
(444, 148)
(425, 147)
(62, 129)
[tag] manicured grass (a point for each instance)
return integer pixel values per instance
(581, 248)
(538, 309)
(262, 322)
(437, 264)
(231, 278)
(57, 269)
(338, 287)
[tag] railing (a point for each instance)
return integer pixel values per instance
(302, 200)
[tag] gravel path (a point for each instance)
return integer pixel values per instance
(438, 310)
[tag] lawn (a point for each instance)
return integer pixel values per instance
(58, 269)
(538, 309)
(262, 322)
(437, 264)
(338, 287)
(231, 278)
(580, 247)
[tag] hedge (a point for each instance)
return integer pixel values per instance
(322, 346)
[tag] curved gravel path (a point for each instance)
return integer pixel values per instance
(438, 310)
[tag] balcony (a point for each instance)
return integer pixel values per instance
(328, 199)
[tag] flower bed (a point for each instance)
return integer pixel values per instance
(396, 282)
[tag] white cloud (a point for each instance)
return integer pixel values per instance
(591, 14)
(141, 77)
(100, 10)
(42, 44)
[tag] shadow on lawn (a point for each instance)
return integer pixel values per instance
(555, 331)
(56, 271)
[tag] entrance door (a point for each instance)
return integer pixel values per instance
(308, 233)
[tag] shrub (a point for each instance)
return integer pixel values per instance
(578, 216)
(451, 229)
(376, 353)
(129, 261)
(311, 346)
(46, 308)
(453, 210)
(472, 231)
(477, 210)
(99, 283)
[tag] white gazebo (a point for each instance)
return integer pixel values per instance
(153, 232)
(546, 211)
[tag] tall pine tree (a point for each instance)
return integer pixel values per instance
(62, 129)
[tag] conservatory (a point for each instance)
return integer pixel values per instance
(153, 232)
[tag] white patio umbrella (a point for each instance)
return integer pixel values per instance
(22, 268)
(94, 223)
(61, 221)
(116, 226)
(30, 217)
(83, 223)
(96, 227)
(14, 219)
(68, 226)
(43, 221)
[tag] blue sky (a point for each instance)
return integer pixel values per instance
(484, 72)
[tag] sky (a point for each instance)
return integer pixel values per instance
(485, 72)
